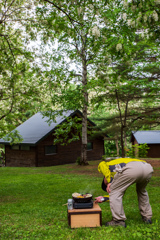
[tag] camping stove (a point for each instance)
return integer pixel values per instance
(82, 201)
(83, 205)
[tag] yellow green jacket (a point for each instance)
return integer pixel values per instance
(109, 169)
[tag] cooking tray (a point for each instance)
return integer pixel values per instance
(82, 199)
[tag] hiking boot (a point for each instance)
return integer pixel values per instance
(116, 223)
(146, 220)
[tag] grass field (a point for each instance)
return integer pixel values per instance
(32, 204)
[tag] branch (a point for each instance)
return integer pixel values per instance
(9, 45)
(76, 46)
(9, 6)
(16, 10)
(60, 9)
(10, 110)
(3, 35)
(76, 75)
(125, 116)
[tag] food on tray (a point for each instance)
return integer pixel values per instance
(79, 195)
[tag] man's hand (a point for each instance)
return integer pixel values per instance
(108, 187)
(99, 199)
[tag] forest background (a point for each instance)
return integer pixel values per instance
(101, 57)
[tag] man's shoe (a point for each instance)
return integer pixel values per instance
(147, 220)
(116, 223)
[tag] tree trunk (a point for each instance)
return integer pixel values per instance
(122, 125)
(122, 143)
(84, 111)
(125, 143)
(117, 147)
(84, 137)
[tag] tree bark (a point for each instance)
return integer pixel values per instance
(122, 141)
(85, 108)
(117, 147)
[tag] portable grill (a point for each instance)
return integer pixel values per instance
(82, 203)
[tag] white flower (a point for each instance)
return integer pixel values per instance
(155, 16)
(91, 6)
(79, 10)
(142, 34)
(133, 7)
(107, 78)
(125, 4)
(147, 36)
(157, 1)
(109, 60)
(124, 16)
(95, 31)
(145, 18)
(139, 17)
(131, 23)
(119, 77)
(119, 47)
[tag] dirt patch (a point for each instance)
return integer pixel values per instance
(156, 165)
(92, 169)
(85, 170)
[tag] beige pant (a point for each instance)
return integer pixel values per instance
(134, 172)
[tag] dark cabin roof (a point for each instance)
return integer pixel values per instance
(37, 127)
(149, 137)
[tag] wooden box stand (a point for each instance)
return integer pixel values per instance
(91, 217)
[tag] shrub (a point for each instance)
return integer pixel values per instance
(138, 151)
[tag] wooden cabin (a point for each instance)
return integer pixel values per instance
(151, 138)
(37, 148)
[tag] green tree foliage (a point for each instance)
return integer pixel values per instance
(19, 80)
(104, 47)
(68, 131)
(129, 83)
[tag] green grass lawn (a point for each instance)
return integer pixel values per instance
(32, 204)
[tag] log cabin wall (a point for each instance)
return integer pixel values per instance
(20, 158)
(154, 151)
(67, 153)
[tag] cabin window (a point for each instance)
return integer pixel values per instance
(15, 147)
(89, 146)
(25, 147)
(51, 149)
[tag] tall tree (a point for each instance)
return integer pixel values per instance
(75, 25)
